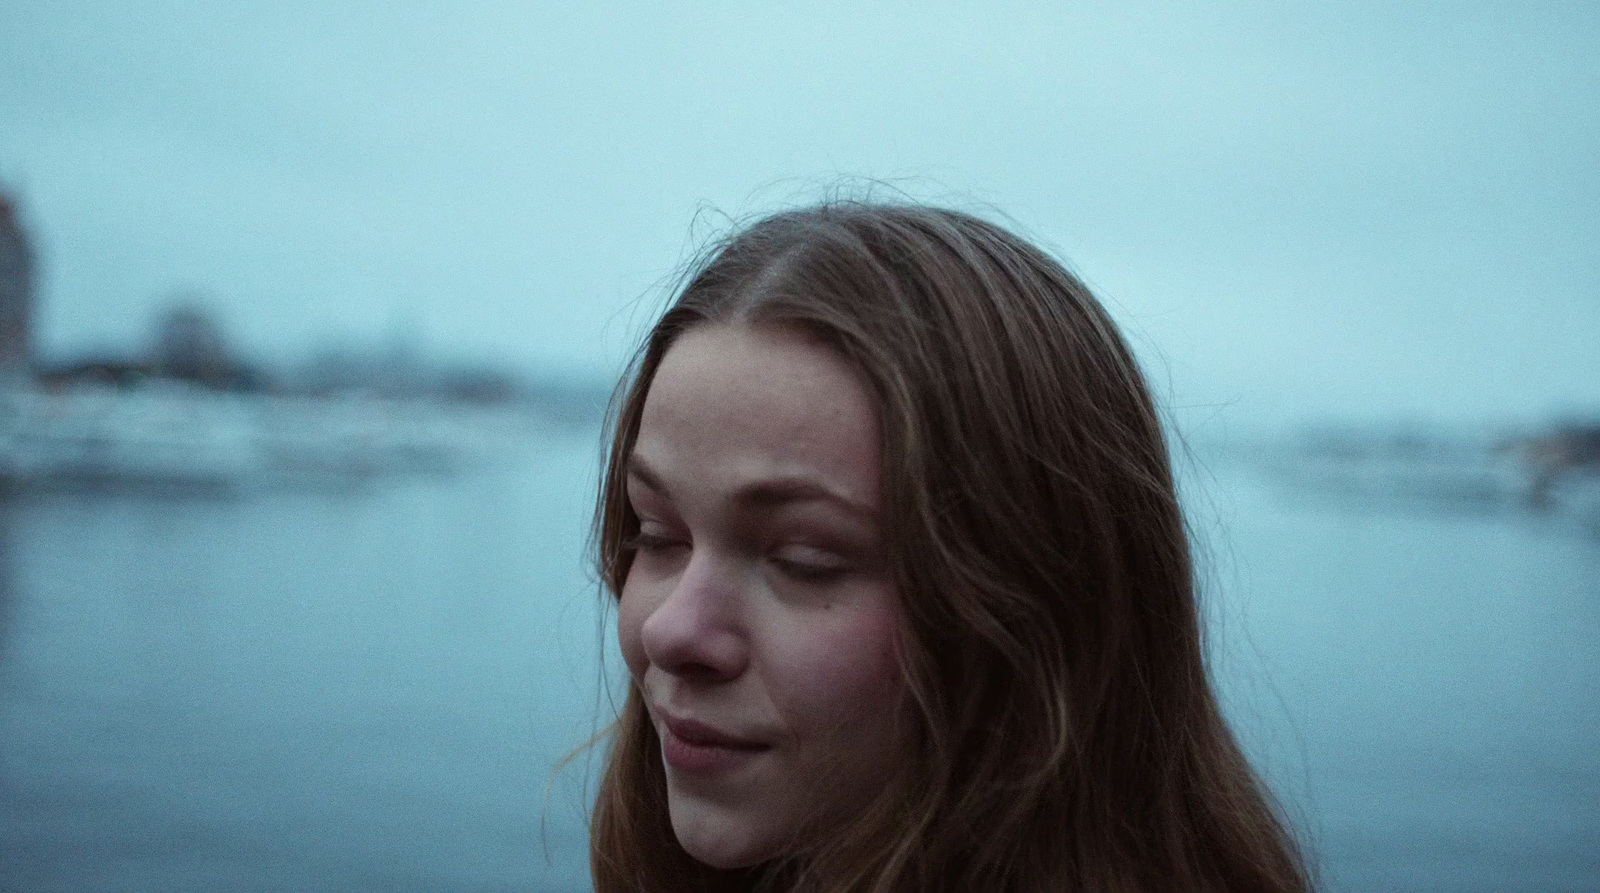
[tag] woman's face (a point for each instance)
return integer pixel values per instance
(758, 618)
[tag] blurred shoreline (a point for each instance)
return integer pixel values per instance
(1553, 469)
(170, 436)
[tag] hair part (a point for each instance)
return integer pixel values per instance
(1064, 730)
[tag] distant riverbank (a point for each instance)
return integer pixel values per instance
(1553, 470)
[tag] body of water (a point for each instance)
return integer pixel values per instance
(369, 691)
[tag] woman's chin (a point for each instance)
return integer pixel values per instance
(720, 844)
(716, 858)
(720, 856)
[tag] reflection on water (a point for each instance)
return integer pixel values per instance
(301, 691)
(1424, 685)
(7, 596)
(324, 691)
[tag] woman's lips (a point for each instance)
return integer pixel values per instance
(689, 745)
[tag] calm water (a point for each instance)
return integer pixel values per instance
(369, 691)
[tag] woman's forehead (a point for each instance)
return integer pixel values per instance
(736, 404)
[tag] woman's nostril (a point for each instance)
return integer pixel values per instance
(687, 636)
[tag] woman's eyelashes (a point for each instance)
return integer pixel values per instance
(799, 562)
(654, 539)
(809, 564)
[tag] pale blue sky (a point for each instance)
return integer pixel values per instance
(1300, 210)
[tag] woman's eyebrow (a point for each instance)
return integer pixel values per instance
(773, 493)
(639, 470)
(763, 495)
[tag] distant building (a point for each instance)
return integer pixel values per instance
(16, 294)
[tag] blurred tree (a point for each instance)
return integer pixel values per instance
(190, 346)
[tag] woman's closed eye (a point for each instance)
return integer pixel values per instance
(654, 540)
(810, 564)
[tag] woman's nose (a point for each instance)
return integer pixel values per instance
(695, 632)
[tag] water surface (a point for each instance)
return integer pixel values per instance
(368, 690)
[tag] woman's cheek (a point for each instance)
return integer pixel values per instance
(844, 666)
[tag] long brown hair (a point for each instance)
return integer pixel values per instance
(1065, 735)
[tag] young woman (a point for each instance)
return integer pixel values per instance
(903, 585)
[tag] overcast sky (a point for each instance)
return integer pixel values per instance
(1299, 210)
